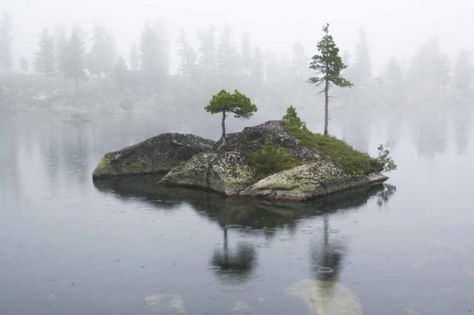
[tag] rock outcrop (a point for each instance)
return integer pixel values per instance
(308, 181)
(252, 139)
(155, 155)
(225, 172)
(192, 161)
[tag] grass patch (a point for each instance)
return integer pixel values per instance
(271, 159)
(351, 160)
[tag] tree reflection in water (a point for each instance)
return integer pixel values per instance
(236, 264)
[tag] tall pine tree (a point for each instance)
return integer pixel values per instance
(328, 66)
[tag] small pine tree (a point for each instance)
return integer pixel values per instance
(236, 103)
(292, 121)
(328, 66)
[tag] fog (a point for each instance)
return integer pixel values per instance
(79, 79)
(394, 28)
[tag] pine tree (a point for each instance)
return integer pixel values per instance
(207, 52)
(257, 66)
(360, 71)
(23, 63)
(246, 55)
(463, 72)
(120, 73)
(74, 57)
(298, 62)
(154, 52)
(226, 55)
(45, 60)
(6, 58)
(61, 44)
(102, 54)
(236, 103)
(188, 56)
(328, 66)
(133, 57)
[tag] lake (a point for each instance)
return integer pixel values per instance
(127, 246)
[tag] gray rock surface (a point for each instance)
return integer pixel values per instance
(155, 155)
(308, 181)
(252, 139)
(192, 161)
(225, 172)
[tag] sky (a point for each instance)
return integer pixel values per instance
(394, 27)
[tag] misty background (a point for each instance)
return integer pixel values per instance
(410, 62)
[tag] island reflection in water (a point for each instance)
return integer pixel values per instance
(234, 265)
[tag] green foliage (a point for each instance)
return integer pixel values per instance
(351, 160)
(327, 63)
(292, 121)
(271, 159)
(385, 159)
(237, 103)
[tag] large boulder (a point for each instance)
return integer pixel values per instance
(155, 155)
(308, 181)
(252, 139)
(224, 172)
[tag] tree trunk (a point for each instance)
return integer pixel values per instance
(326, 109)
(223, 131)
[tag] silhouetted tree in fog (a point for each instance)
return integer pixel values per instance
(328, 66)
(154, 52)
(133, 58)
(24, 64)
(207, 51)
(428, 75)
(101, 57)
(74, 62)
(257, 66)
(120, 73)
(60, 43)
(45, 62)
(245, 55)
(392, 79)
(6, 57)
(298, 62)
(463, 73)
(360, 71)
(188, 56)
(226, 55)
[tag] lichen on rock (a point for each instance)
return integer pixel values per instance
(226, 172)
(299, 183)
(192, 161)
(155, 155)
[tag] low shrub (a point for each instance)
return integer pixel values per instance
(351, 160)
(271, 159)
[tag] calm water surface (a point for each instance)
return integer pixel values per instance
(126, 246)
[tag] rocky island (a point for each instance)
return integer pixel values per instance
(277, 160)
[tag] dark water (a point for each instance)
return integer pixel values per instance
(125, 246)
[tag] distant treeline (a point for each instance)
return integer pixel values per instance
(72, 70)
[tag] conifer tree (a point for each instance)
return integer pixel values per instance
(74, 62)
(236, 103)
(328, 66)
(45, 59)
(6, 59)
